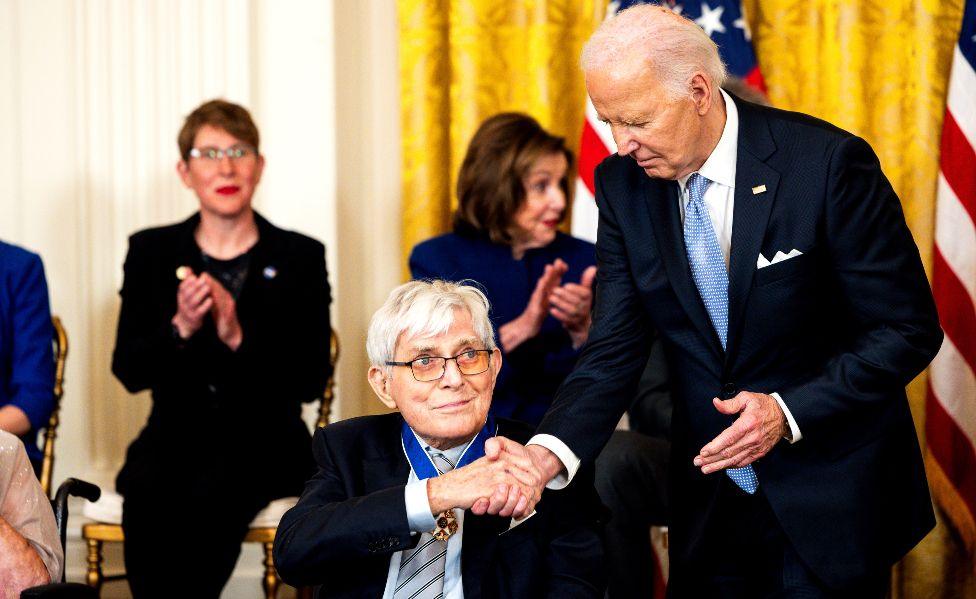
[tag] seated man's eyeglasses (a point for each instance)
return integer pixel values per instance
(235, 152)
(431, 368)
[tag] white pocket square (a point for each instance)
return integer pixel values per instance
(762, 262)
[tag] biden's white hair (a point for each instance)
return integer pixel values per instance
(425, 309)
(674, 46)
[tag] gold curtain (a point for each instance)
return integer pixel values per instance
(878, 68)
(462, 61)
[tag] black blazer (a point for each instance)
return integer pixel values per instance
(352, 518)
(219, 415)
(838, 332)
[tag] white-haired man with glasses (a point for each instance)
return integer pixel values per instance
(388, 513)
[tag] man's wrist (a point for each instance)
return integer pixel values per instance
(569, 461)
(434, 496)
(549, 463)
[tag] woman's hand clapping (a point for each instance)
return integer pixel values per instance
(571, 305)
(196, 296)
(528, 324)
(193, 301)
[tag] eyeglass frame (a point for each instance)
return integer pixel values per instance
(247, 149)
(444, 367)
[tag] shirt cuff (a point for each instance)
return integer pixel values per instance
(795, 434)
(565, 455)
(419, 517)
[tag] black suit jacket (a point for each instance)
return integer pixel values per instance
(838, 332)
(352, 518)
(222, 418)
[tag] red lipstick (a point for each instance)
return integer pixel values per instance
(227, 190)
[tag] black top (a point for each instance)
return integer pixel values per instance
(220, 415)
(231, 273)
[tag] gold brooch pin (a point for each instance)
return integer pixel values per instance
(758, 189)
(183, 272)
(446, 526)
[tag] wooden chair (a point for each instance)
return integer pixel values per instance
(263, 527)
(266, 534)
(59, 341)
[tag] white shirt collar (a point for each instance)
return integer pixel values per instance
(720, 164)
(453, 453)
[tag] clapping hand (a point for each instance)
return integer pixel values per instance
(570, 304)
(193, 302)
(224, 312)
(199, 295)
(528, 324)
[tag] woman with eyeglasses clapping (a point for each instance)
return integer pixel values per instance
(512, 196)
(225, 318)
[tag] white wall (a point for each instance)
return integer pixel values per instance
(369, 264)
(92, 94)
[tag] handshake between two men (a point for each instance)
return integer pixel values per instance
(509, 480)
(413, 498)
(408, 502)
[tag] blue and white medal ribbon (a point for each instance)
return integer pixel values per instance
(423, 467)
(420, 460)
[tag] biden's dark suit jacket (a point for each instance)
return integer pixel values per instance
(351, 519)
(838, 332)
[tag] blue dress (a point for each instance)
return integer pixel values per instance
(533, 371)
(26, 357)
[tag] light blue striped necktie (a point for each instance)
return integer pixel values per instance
(712, 279)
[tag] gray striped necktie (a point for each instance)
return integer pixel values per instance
(421, 573)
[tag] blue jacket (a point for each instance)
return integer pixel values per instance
(26, 358)
(533, 371)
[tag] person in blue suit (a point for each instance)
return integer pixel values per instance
(26, 357)
(771, 255)
(512, 191)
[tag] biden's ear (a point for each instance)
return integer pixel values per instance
(701, 93)
(380, 383)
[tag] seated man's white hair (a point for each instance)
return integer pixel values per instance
(425, 309)
(674, 46)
